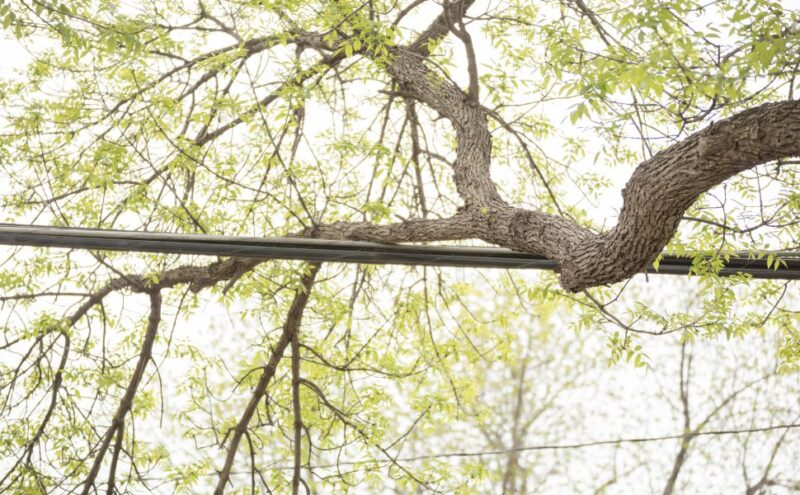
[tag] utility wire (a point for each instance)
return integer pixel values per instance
(600, 443)
(318, 250)
(563, 446)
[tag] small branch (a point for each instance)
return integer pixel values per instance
(114, 459)
(125, 405)
(462, 34)
(413, 123)
(292, 325)
(298, 420)
(680, 457)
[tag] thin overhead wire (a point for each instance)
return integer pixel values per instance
(561, 446)
(318, 250)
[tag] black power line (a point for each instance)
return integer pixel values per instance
(318, 250)
(566, 446)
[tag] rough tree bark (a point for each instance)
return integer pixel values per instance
(660, 190)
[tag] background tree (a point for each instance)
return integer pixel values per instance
(420, 121)
(554, 419)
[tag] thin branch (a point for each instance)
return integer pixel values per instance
(125, 405)
(291, 325)
(297, 413)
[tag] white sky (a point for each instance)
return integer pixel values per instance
(638, 407)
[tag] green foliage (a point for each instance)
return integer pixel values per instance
(235, 118)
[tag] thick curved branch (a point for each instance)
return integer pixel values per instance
(664, 187)
(474, 144)
(655, 198)
(658, 193)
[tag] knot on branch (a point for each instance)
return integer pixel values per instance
(714, 142)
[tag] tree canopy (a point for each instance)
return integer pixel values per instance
(597, 134)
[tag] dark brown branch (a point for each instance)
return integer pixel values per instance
(82, 310)
(296, 412)
(439, 27)
(664, 187)
(126, 403)
(413, 125)
(655, 198)
(683, 450)
(114, 460)
(462, 34)
(292, 325)
(456, 227)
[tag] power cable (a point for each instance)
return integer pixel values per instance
(318, 250)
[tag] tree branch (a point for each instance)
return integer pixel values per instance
(296, 412)
(126, 403)
(291, 326)
(658, 193)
